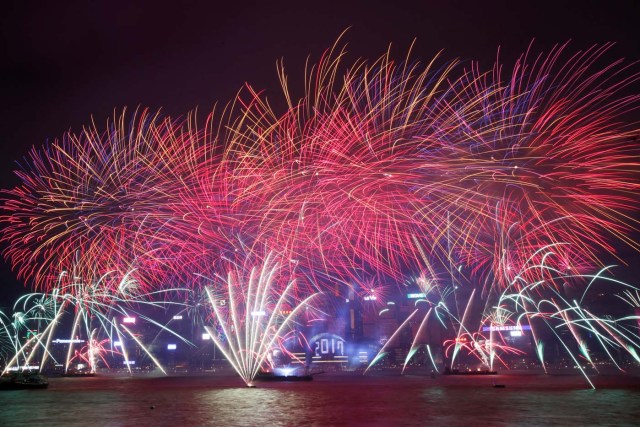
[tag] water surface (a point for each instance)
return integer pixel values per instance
(331, 399)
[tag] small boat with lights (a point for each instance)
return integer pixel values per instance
(448, 371)
(75, 373)
(282, 374)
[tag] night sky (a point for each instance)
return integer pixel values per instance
(62, 62)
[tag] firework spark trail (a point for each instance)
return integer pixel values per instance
(105, 193)
(94, 306)
(543, 299)
(252, 316)
(549, 141)
(356, 168)
(379, 168)
(328, 173)
(348, 174)
(541, 306)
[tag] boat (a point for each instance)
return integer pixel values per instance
(448, 371)
(23, 381)
(76, 373)
(270, 376)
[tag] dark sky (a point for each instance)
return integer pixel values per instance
(63, 61)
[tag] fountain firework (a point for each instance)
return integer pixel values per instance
(251, 314)
(546, 307)
(96, 315)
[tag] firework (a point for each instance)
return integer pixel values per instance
(500, 190)
(252, 315)
(547, 308)
(106, 194)
(96, 316)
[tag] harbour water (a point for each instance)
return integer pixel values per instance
(379, 399)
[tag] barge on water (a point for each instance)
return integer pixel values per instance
(449, 371)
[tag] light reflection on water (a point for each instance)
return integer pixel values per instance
(252, 407)
(329, 400)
